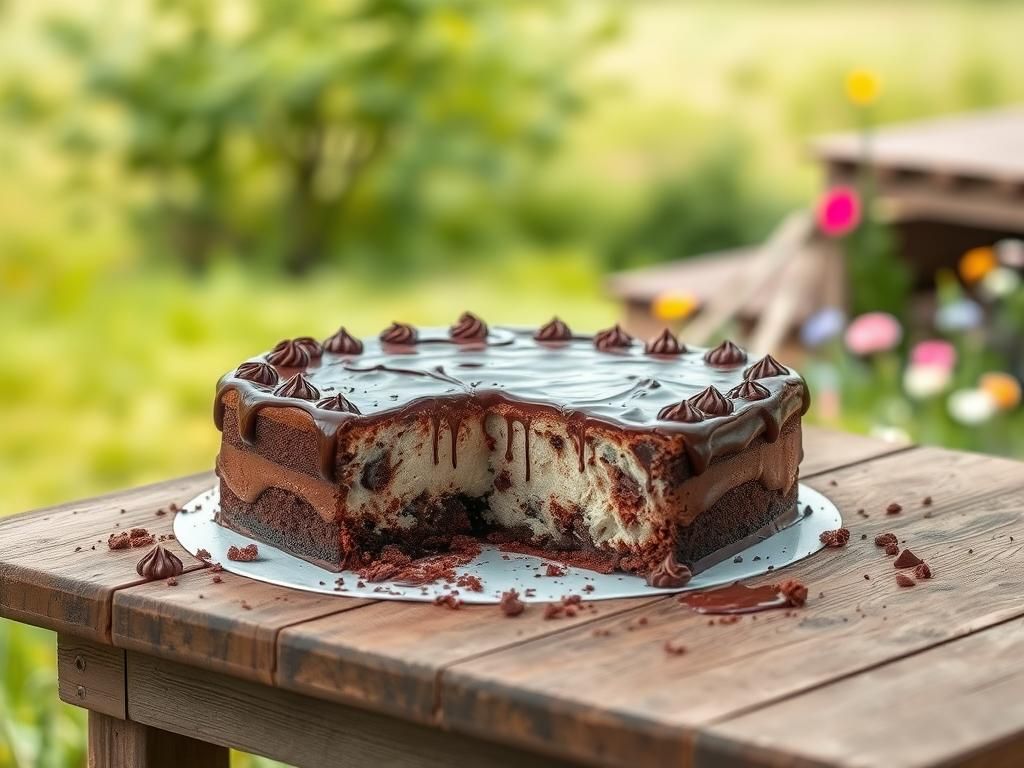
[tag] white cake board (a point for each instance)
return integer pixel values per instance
(195, 529)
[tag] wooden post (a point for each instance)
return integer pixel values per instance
(117, 743)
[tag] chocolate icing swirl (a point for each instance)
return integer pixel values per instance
(289, 353)
(669, 574)
(298, 387)
(257, 372)
(553, 330)
(749, 390)
(725, 355)
(467, 328)
(612, 338)
(399, 333)
(158, 563)
(711, 402)
(682, 411)
(337, 403)
(343, 343)
(311, 345)
(765, 368)
(665, 344)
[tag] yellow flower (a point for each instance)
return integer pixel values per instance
(863, 87)
(675, 306)
(1003, 388)
(977, 263)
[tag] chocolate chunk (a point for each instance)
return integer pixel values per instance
(906, 559)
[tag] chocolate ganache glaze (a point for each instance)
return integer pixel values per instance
(625, 389)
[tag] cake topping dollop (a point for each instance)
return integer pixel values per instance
(669, 574)
(711, 402)
(765, 368)
(399, 333)
(158, 563)
(290, 353)
(343, 343)
(612, 338)
(337, 403)
(298, 387)
(725, 355)
(257, 372)
(468, 327)
(664, 344)
(311, 345)
(682, 411)
(749, 390)
(553, 330)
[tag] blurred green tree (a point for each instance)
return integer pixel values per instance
(384, 132)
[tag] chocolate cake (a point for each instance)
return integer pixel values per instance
(627, 455)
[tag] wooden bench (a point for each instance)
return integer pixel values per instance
(867, 673)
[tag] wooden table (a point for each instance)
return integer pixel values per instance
(868, 673)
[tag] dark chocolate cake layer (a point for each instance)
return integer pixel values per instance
(566, 442)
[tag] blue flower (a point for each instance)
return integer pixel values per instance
(960, 315)
(824, 325)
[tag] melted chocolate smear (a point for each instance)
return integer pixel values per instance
(572, 381)
(736, 598)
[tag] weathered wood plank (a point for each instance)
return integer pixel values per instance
(958, 703)
(117, 743)
(387, 656)
(828, 449)
(229, 626)
(91, 676)
(56, 570)
(544, 693)
(297, 729)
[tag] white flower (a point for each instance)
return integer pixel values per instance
(971, 406)
(924, 381)
(1011, 252)
(890, 434)
(1000, 282)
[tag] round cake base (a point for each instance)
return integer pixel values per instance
(498, 571)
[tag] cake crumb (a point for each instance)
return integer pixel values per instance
(217, 578)
(246, 554)
(922, 571)
(510, 603)
(672, 648)
(172, 582)
(470, 582)
(794, 592)
(926, 501)
(892, 549)
(885, 539)
(834, 539)
(203, 554)
(119, 540)
(449, 601)
(903, 580)
(893, 509)
(554, 570)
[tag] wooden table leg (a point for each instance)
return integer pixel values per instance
(115, 743)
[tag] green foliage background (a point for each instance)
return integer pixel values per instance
(182, 183)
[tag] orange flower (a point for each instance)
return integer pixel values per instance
(977, 263)
(1003, 388)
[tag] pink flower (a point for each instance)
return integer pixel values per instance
(935, 353)
(839, 211)
(873, 332)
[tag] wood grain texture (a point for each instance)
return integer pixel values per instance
(388, 656)
(829, 449)
(958, 703)
(294, 728)
(229, 627)
(117, 743)
(56, 570)
(92, 676)
(544, 693)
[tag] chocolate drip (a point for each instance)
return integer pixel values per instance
(711, 402)
(725, 355)
(297, 386)
(289, 353)
(509, 432)
(158, 563)
(399, 334)
(749, 390)
(553, 330)
(612, 338)
(257, 372)
(765, 368)
(343, 343)
(337, 403)
(669, 574)
(665, 344)
(682, 411)
(468, 328)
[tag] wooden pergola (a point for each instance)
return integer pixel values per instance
(945, 185)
